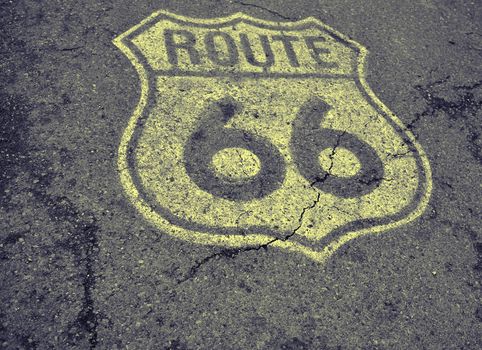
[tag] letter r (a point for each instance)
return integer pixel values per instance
(172, 46)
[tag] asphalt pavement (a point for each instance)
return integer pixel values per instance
(88, 263)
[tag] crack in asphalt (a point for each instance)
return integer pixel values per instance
(84, 246)
(18, 155)
(430, 86)
(264, 9)
(233, 252)
(399, 155)
(241, 161)
(465, 107)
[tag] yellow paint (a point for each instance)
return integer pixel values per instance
(236, 164)
(269, 107)
(339, 162)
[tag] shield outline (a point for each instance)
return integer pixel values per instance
(332, 243)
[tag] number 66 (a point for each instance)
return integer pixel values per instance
(308, 140)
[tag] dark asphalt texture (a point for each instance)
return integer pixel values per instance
(81, 269)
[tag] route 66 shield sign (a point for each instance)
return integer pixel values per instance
(251, 133)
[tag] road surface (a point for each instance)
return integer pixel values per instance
(83, 268)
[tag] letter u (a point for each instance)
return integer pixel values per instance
(248, 51)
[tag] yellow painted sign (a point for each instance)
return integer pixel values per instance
(251, 132)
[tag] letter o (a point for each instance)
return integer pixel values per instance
(228, 58)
